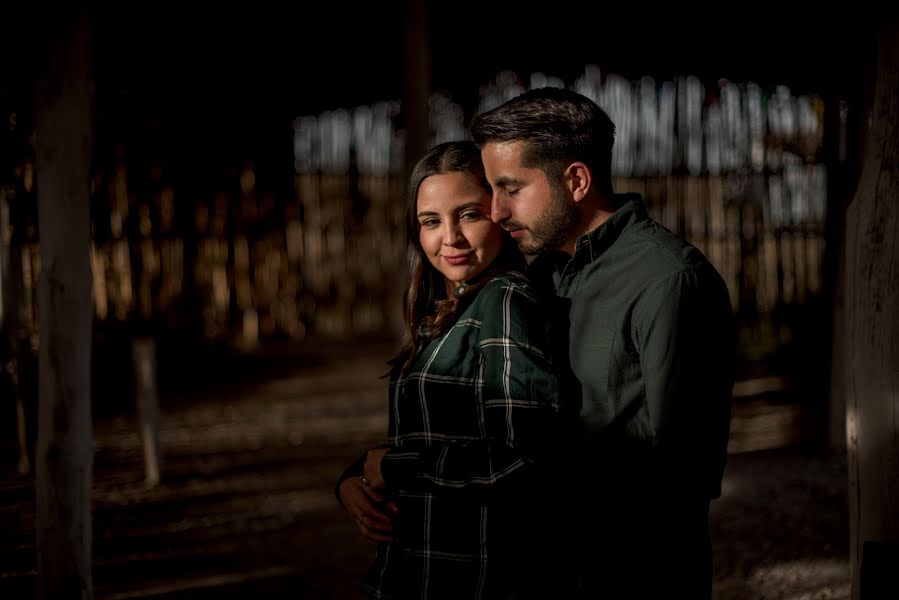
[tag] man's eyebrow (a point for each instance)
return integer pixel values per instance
(506, 181)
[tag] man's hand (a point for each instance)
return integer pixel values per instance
(366, 506)
(372, 471)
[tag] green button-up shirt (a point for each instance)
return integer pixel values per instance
(651, 343)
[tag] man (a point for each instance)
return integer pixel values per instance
(650, 341)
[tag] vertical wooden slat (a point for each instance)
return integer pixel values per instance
(416, 81)
(64, 444)
(871, 287)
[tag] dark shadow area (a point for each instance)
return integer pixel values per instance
(246, 500)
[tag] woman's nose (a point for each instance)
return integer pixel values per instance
(452, 235)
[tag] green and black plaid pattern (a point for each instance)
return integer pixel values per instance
(468, 423)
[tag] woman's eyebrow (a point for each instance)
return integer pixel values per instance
(468, 205)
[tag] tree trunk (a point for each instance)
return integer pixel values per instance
(871, 293)
(852, 91)
(64, 441)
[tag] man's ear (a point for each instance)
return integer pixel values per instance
(578, 179)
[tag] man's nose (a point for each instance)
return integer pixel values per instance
(499, 212)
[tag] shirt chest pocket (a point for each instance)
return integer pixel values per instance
(591, 358)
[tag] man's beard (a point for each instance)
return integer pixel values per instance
(553, 228)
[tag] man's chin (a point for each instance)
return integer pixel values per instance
(530, 248)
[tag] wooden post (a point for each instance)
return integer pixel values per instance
(416, 82)
(12, 345)
(871, 293)
(64, 439)
(144, 357)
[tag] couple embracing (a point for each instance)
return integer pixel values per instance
(560, 406)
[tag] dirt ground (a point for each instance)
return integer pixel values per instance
(246, 507)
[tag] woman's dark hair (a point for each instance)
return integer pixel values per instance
(427, 309)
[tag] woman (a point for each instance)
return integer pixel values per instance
(459, 496)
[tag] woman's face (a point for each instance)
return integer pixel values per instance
(454, 227)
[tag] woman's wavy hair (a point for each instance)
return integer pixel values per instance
(428, 311)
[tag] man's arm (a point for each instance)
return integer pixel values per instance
(683, 329)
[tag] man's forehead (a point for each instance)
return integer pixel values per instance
(503, 151)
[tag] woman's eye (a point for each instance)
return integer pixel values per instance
(430, 223)
(471, 216)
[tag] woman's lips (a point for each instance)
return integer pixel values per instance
(457, 260)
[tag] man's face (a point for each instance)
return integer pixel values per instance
(538, 213)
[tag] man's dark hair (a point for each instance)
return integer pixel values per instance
(558, 127)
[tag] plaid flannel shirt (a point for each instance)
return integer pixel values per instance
(471, 426)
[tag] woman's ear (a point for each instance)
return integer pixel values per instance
(578, 179)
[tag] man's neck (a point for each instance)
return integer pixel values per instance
(589, 221)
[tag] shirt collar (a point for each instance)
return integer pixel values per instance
(592, 245)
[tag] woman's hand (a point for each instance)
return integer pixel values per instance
(373, 516)
(372, 470)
